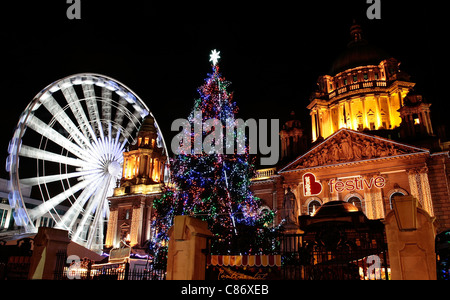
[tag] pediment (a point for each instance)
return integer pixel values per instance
(346, 146)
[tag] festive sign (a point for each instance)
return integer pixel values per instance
(311, 187)
(356, 184)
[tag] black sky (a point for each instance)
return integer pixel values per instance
(272, 52)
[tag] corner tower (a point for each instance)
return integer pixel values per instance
(143, 174)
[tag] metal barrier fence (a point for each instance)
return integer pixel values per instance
(88, 271)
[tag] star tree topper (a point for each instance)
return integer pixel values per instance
(214, 57)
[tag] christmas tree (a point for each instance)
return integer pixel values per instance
(212, 179)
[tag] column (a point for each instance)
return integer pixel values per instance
(423, 122)
(148, 221)
(112, 227)
(136, 221)
(427, 123)
(148, 167)
(378, 111)
(426, 192)
(420, 187)
(137, 163)
(430, 126)
(389, 125)
(377, 197)
(320, 124)
(155, 168)
(124, 166)
(313, 125)
(368, 204)
(340, 118)
(352, 124)
(143, 165)
(150, 170)
(400, 100)
(365, 123)
(373, 199)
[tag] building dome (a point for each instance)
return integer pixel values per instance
(358, 53)
(335, 209)
(148, 125)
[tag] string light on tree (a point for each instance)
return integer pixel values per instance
(215, 187)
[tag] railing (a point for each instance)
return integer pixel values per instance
(115, 271)
(353, 256)
(264, 174)
(121, 272)
(356, 86)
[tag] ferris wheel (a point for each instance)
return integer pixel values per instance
(68, 147)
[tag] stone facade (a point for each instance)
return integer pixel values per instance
(372, 138)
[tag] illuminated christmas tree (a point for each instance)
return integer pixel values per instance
(212, 174)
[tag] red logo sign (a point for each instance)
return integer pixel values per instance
(311, 187)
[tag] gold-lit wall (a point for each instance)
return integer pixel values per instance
(140, 163)
(362, 98)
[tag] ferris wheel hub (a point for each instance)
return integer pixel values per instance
(114, 169)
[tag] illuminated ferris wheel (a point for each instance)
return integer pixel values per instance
(68, 147)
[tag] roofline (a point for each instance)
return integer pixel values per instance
(355, 162)
(422, 150)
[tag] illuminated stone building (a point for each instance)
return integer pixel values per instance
(143, 176)
(364, 89)
(372, 139)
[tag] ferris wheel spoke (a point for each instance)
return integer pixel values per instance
(31, 152)
(70, 217)
(106, 107)
(33, 181)
(106, 104)
(99, 203)
(58, 113)
(48, 205)
(72, 99)
(134, 122)
(120, 113)
(91, 102)
(45, 130)
(88, 216)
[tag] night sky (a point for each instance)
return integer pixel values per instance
(272, 51)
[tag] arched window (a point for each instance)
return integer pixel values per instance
(313, 206)
(396, 193)
(356, 202)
